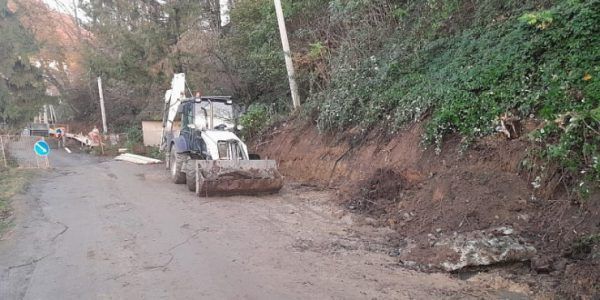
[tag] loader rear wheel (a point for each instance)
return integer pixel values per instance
(190, 175)
(176, 163)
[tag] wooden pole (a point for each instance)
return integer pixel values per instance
(101, 146)
(3, 153)
(224, 7)
(104, 127)
(75, 14)
(288, 54)
(45, 114)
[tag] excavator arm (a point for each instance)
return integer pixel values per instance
(173, 99)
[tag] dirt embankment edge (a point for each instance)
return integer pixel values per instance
(396, 182)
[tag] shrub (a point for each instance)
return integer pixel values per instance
(540, 20)
(134, 135)
(255, 120)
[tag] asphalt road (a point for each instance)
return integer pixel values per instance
(92, 229)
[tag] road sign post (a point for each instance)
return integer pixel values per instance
(41, 148)
(4, 158)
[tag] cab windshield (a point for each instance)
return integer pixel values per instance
(222, 114)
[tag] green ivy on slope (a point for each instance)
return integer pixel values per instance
(542, 63)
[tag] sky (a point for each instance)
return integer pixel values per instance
(66, 6)
(61, 5)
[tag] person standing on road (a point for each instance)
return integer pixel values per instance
(95, 135)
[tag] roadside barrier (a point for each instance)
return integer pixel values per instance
(18, 151)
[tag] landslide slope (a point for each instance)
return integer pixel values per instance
(409, 128)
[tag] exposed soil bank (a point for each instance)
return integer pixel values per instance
(393, 181)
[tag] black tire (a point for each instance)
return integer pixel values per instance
(176, 164)
(190, 175)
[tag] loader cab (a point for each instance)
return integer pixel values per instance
(209, 113)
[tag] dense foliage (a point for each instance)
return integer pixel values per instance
(255, 120)
(22, 87)
(456, 65)
(138, 45)
(461, 65)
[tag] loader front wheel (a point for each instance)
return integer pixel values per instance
(176, 164)
(190, 175)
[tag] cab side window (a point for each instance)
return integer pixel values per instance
(187, 117)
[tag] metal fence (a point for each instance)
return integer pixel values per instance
(17, 151)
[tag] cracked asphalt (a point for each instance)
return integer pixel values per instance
(99, 229)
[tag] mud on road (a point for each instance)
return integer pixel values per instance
(92, 229)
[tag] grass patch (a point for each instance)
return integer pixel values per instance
(586, 246)
(12, 182)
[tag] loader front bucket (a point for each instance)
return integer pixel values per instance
(237, 177)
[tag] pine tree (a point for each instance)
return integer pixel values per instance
(22, 87)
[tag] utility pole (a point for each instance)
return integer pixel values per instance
(288, 55)
(104, 127)
(224, 9)
(45, 121)
(4, 158)
(75, 13)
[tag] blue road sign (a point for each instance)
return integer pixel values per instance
(41, 148)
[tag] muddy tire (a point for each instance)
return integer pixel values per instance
(190, 175)
(175, 165)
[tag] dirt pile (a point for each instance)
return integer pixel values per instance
(395, 182)
(384, 189)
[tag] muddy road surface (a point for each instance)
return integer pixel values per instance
(99, 229)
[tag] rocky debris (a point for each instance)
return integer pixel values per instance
(475, 248)
(486, 247)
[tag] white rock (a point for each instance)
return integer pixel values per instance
(483, 247)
